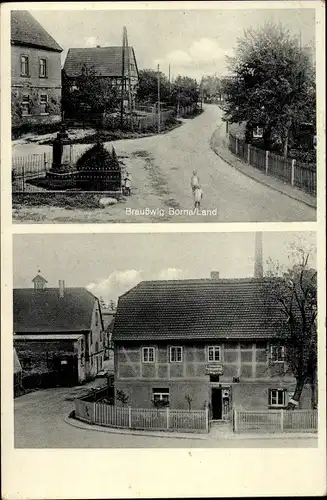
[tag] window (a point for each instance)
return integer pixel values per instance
(176, 354)
(42, 68)
(160, 395)
(96, 346)
(24, 69)
(277, 353)
(277, 397)
(214, 353)
(148, 354)
(44, 104)
(26, 105)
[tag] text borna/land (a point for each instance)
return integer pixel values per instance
(161, 212)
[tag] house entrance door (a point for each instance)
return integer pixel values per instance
(216, 403)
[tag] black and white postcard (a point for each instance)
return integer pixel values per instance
(163, 249)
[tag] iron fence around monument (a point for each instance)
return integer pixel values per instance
(29, 174)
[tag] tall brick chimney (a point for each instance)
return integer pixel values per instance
(61, 289)
(214, 275)
(258, 259)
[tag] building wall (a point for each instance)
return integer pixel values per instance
(95, 343)
(33, 85)
(249, 362)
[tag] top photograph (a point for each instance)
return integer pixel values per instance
(138, 116)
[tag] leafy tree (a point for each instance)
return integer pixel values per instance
(90, 93)
(148, 86)
(211, 86)
(273, 84)
(185, 91)
(295, 291)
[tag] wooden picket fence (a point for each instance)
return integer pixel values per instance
(276, 421)
(140, 418)
(294, 172)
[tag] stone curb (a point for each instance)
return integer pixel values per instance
(191, 436)
(112, 430)
(261, 181)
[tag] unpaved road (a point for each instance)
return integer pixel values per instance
(161, 168)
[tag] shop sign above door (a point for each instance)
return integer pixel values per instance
(214, 369)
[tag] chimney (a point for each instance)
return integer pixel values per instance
(214, 275)
(61, 289)
(258, 260)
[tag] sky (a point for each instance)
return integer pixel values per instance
(194, 42)
(110, 264)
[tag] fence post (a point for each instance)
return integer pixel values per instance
(129, 417)
(293, 171)
(167, 417)
(267, 161)
(23, 172)
(45, 160)
(236, 146)
(249, 149)
(282, 420)
(93, 413)
(235, 420)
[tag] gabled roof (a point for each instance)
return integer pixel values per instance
(196, 310)
(26, 30)
(38, 278)
(42, 311)
(106, 61)
(17, 365)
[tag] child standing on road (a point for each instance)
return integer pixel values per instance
(128, 184)
(198, 193)
(195, 181)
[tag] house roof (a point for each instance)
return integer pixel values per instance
(17, 365)
(196, 310)
(42, 311)
(106, 61)
(26, 30)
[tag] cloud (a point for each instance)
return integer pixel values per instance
(120, 282)
(116, 284)
(91, 41)
(202, 57)
(171, 274)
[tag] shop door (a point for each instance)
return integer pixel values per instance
(216, 403)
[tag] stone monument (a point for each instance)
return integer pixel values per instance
(62, 172)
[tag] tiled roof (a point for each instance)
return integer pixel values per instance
(26, 30)
(195, 310)
(41, 311)
(106, 61)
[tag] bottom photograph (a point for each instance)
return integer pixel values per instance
(175, 340)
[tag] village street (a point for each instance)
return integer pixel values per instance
(40, 423)
(161, 168)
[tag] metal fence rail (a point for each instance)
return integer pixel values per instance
(294, 172)
(276, 421)
(142, 418)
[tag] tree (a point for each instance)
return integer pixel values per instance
(90, 93)
(295, 291)
(185, 91)
(148, 86)
(122, 397)
(272, 86)
(211, 87)
(189, 401)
